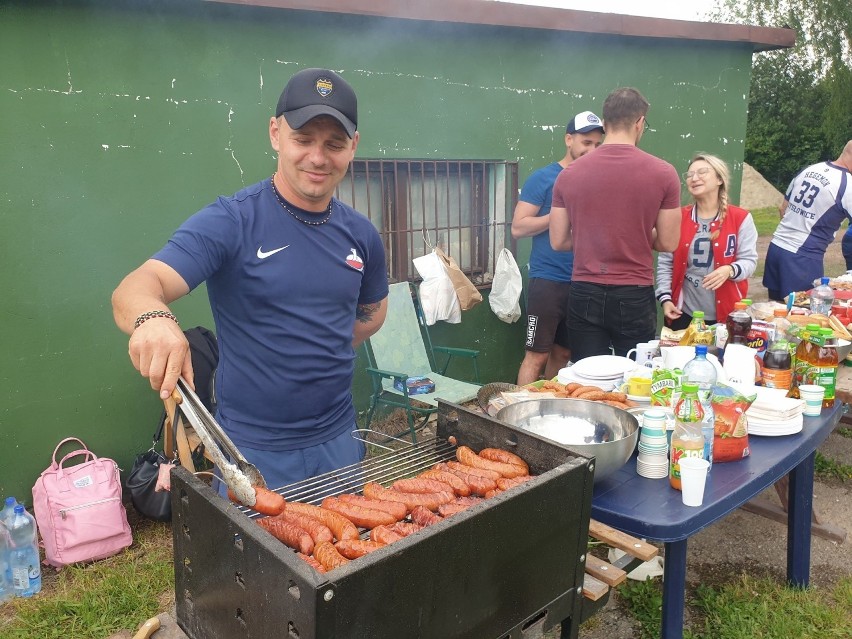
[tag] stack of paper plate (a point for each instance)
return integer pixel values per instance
(604, 371)
(773, 413)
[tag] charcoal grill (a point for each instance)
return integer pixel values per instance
(509, 567)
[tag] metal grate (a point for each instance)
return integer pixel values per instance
(463, 206)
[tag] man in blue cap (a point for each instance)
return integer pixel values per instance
(296, 279)
(547, 346)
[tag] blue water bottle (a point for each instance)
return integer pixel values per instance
(24, 557)
(6, 591)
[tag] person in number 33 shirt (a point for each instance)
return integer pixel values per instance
(717, 252)
(816, 203)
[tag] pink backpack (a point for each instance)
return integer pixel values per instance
(78, 509)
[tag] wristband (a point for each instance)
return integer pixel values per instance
(152, 314)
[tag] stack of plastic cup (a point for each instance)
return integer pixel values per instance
(653, 459)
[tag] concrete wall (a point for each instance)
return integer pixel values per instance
(119, 122)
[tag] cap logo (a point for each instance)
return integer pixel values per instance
(324, 87)
(593, 119)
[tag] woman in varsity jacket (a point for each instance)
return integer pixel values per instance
(717, 252)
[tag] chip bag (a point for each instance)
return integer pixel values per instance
(730, 440)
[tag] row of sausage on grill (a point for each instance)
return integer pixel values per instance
(327, 536)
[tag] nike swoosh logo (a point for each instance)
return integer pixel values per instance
(261, 254)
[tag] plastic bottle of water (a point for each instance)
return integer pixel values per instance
(822, 297)
(6, 591)
(24, 557)
(7, 514)
(700, 371)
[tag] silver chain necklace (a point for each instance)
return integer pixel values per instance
(291, 212)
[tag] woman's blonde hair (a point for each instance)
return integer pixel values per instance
(724, 173)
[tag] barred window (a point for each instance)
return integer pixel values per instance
(462, 206)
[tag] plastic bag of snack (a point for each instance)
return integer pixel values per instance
(730, 441)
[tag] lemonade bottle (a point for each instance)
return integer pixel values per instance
(687, 438)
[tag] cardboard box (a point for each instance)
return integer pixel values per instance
(416, 385)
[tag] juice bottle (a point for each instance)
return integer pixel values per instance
(687, 438)
(824, 369)
(778, 361)
(738, 324)
(804, 356)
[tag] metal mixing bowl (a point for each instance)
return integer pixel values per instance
(592, 429)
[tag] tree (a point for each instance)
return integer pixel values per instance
(799, 100)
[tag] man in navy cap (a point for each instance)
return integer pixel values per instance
(547, 346)
(296, 279)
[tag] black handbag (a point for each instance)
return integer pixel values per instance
(142, 481)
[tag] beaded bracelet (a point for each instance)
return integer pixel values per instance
(151, 314)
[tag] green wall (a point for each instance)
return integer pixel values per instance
(119, 122)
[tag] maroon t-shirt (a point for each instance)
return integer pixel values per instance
(613, 197)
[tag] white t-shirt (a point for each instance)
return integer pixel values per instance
(818, 200)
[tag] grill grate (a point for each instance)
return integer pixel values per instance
(383, 468)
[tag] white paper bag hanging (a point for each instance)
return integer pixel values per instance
(506, 288)
(437, 295)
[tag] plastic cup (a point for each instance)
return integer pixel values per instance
(813, 396)
(693, 477)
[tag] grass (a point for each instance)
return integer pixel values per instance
(102, 598)
(765, 219)
(748, 609)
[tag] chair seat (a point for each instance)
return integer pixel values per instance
(446, 388)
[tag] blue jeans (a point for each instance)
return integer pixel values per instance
(603, 316)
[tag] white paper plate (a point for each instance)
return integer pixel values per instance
(603, 366)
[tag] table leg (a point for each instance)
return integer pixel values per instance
(674, 590)
(801, 497)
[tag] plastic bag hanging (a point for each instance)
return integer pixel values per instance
(506, 288)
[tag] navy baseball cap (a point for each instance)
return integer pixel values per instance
(314, 92)
(584, 122)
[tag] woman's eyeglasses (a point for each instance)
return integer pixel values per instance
(688, 175)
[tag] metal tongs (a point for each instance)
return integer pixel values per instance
(238, 474)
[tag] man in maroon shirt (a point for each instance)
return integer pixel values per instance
(614, 208)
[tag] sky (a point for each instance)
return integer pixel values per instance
(673, 9)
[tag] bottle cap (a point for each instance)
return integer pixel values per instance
(826, 331)
(19, 509)
(779, 312)
(689, 387)
(11, 501)
(746, 301)
(812, 327)
(824, 281)
(740, 306)
(701, 349)
(698, 314)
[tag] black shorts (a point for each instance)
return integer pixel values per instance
(547, 314)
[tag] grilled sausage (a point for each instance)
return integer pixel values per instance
(384, 535)
(311, 561)
(421, 485)
(404, 528)
(505, 483)
(448, 510)
(327, 555)
(594, 396)
(584, 389)
(399, 511)
(315, 528)
(341, 527)
(493, 493)
(359, 515)
(288, 534)
(266, 502)
(411, 500)
(505, 457)
(469, 458)
(616, 396)
(424, 517)
(457, 483)
(477, 484)
(471, 470)
(354, 548)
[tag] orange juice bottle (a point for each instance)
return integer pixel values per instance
(687, 438)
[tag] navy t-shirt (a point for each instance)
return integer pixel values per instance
(283, 296)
